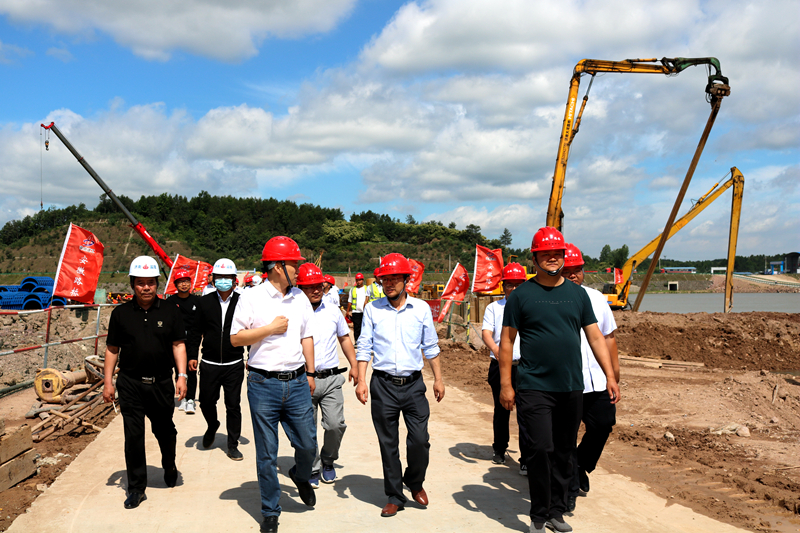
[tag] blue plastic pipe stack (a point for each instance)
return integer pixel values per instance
(34, 292)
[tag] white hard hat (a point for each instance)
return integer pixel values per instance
(144, 267)
(224, 266)
(256, 280)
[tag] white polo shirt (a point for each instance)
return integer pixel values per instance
(594, 380)
(329, 324)
(333, 296)
(493, 321)
(259, 307)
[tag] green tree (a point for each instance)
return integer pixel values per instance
(505, 238)
(605, 254)
(452, 225)
(411, 220)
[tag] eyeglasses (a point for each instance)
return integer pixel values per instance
(392, 278)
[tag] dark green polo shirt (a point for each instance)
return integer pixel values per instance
(548, 321)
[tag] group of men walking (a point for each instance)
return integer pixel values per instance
(549, 360)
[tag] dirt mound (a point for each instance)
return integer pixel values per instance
(766, 341)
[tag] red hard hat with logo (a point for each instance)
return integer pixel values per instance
(513, 272)
(309, 274)
(394, 263)
(281, 249)
(548, 238)
(182, 273)
(248, 277)
(359, 276)
(330, 279)
(573, 256)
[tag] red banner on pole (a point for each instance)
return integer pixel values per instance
(488, 269)
(201, 276)
(457, 285)
(618, 276)
(199, 270)
(79, 266)
(414, 281)
(445, 308)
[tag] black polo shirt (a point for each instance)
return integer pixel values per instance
(145, 337)
(188, 307)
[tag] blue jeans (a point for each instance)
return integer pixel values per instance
(288, 402)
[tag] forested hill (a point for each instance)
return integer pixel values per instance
(209, 227)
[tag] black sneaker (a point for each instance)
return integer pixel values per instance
(499, 458)
(134, 499)
(583, 479)
(572, 502)
(304, 488)
(269, 525)
(210, 434)
(235, 454)
(171, 476)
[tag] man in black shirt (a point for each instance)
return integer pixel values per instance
(223, 364)
(549, 313)
(147, 337)
(187, 303)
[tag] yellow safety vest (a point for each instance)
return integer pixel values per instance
(375, 294)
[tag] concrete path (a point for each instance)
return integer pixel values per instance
(215, 494)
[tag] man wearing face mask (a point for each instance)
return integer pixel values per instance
(222, 365)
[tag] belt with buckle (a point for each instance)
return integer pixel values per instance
(398, 380)
(280, 376)
(148, 380)
(329, 372)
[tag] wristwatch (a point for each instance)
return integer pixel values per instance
(182, 375)
(311, 374)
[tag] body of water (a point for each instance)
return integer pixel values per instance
(713, 303)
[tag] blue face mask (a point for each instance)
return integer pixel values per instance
(223, 284)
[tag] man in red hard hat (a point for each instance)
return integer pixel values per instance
(331, 290)
(513, 276)
(357, 299)
(399, 330)
(274, 319)
(187, 303)
(598, 413)
(549, 313)
(330, 328)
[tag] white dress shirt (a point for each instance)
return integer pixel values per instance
(399, 337)
(493, 321)
(329, 325)
(259, 307)
(594, 379)
(224, 304)
(333, 296)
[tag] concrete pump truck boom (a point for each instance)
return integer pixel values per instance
(137, 226)
(717, 87)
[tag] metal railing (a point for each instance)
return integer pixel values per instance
(767, 281)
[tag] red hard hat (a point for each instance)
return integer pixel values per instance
(309, 274)
(248, 277)
(513, 272)
(394, 263)
(548, 238)
(572, 257)
(181, 273)
(281, 249)
(359, 276)
(330, 279)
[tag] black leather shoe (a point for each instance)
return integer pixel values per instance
(572, 502)
(210, 434)
(171, 476)
(235, 454)
(269, 525)
(304, 488)
(134, 499)
(583, 480)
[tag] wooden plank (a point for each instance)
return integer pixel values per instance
(15, 442)
(17, 469)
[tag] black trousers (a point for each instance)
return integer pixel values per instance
(599, 417)
(229, 378)
(388, 401)
(155, 401)
(191, 384)
(356, 318)
(553, 419)
(502, 415)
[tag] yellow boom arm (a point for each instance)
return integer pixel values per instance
(667, 66)
(619, 298)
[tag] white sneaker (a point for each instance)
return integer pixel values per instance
(189, 407)
(182, 406)
(523, 469)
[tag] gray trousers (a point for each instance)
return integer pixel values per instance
(329, 399)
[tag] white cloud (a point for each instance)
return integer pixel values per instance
(62, 54)
(228, 31)
(9, 53)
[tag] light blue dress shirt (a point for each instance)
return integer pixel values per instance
(399, 337)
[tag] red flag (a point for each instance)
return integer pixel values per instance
(618, 276)
(187, 264)
(444, 309)
(79, 266)
(488, 269)
(201, 277)
(412, 285)
(457, 285)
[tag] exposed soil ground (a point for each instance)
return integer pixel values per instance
(677, 429)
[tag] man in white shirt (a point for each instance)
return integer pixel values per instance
(274, 319)
(357, 298)
(331, 291)
(399, 329)
(513, 276)
(599, 414)
(330, 327)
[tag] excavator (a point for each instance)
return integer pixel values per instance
(717, 86)
(617, 294)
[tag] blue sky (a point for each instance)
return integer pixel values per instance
(446, 110)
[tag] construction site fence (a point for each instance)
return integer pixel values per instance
(48, 342)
